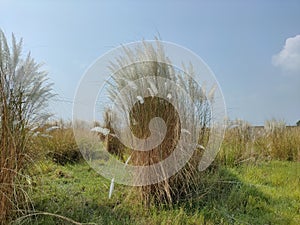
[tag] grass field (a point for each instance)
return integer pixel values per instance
(256, 193)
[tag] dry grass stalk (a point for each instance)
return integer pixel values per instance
(155, 63)
(23, 99)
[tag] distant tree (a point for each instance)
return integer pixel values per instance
(298, 123)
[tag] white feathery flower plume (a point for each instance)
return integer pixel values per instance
(34, 128)
(211, 93)
(151, 92)
(140, 98)
(111, 188)
(127, 161)
(52, 128)
(200, 146)
(46, 136)
(112, 183)
(131, 84)
(153, 88)
(185, 131)
(36, 134)
(101, 130)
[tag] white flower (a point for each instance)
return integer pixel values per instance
(34, 128)
(101, 130)
(134, 122)
(36, 134)
(46, 136)
(169, 96)
(151, 92)
(211, 93)
(127, 161)
(153, 88)
(140, 98)
(132, 84)
(200, 146)
(52, 128)
(111, 188)
(185, 131)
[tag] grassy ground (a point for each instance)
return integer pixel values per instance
(261, 193)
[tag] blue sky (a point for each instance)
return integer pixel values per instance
(251, 46)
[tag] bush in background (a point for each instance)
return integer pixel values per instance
(244, 143)
(56, 141)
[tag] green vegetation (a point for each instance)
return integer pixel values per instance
(57, 143)
(275, 141)
(261, 193)
(254, 179)
(241, 187)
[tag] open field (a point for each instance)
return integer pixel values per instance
(250, 182)
(262, 193)
(44, 179)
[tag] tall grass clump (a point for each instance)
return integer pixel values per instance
(111, 142)
(24, 94)
(56, 141)
(238, 143)
(281, 141)
(246, 143)
(153, 62)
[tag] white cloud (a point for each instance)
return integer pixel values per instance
(289, 57)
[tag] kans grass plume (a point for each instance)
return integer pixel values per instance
(154, 63)
(24, 95)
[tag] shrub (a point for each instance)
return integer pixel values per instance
(56, 141)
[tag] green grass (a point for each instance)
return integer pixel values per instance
(264, 193)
